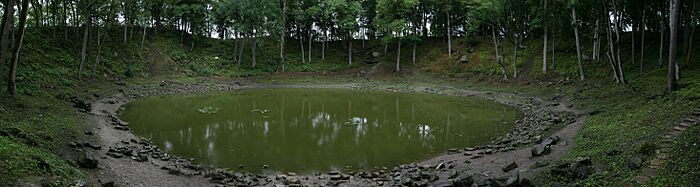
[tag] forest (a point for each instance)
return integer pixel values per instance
(111, 93)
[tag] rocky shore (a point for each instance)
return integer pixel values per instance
(117, 157)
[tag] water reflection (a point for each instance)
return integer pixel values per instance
(303, 130)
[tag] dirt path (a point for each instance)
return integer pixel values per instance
(479, 164)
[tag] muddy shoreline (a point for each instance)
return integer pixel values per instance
(127, 160)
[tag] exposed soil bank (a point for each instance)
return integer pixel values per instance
(128, 160)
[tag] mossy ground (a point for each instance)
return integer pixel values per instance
(40, 121)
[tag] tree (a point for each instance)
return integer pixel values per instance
(19, 39)
(672, 45)
(87, 11)
(393, 16)
(344, 17)
(7, 22)
(574, 24)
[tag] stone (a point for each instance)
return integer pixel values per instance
(686, 124)
(140, 158)
(507, 181)
(335, 177)
(510, 167)
(640, 179)
(690, 120)
(80, 104)
(87, 163)
(95, 147)
(656, 162)
(440, 166)
(115, 154)
(109, 184)
(634, 163)
(121, 128)
(485, 182)
(679, 128)
(539, 150)
(463, 180)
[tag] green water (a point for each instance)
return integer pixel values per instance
(306, 130)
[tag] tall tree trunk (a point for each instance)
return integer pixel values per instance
(126, 28)
(641, 52)
(311, 36)
(19, 39)
(414, 51)
(349, 51)
(240, 50)
(596, 40)
(323, 48)
(618, 29)
(515, 60)
(386, 47)
(498, 56)
(100, 40)
(284, 22)
(143, 36)
(578, 43)
(672, 67)
(554, 62)
(611, 48)
(449, 37)
(301, 44)
(634, 38)
(7, 23)
(544, 47)
(690, 46)
(398, 57)
(661, 44)
(86, 39)
(253, 48)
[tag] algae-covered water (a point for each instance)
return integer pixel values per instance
(307, 130)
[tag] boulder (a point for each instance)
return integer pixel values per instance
(87, 163)
(507, 181)
(510, 167)
(539, 150)
(462, 180)
(80, 104)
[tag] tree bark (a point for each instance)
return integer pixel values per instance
(596, 40)
(19, 39)
(301, 44)
(7, 23)
(690, 46)
(323, 48)
(398, 57)
(544, 47)
(661, 44)
(240, 50)
(349, 51)
(672, 67)
(310, 40)
(284, 22)
(554, 62)
(449, 37)
(143, 36)
(641, 55)
(578, 43)
(515, 60)
(498, 56)
(253, 46)
(86, 39)
(414, 52)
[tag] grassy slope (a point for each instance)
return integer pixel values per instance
(38, 124)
